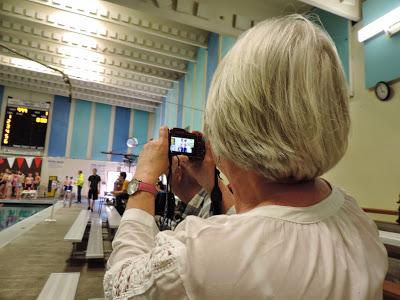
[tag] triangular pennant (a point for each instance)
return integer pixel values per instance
(2, 160)
(37, 161)
(11, 161)
(20, 161)
(29, 160)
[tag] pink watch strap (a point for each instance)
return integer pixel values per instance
(147, 187)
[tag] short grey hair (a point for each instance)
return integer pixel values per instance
(278, 102)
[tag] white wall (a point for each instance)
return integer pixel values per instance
(370, 170)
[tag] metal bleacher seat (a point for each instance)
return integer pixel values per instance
(95, 243)
(77, 230)
(390, 238)
(60, 286)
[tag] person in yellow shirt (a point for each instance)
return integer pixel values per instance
(120, 193)
(79, 183)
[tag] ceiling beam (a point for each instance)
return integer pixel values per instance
(222, 16)
(61, 61)
(96, 28)
(55, 78)
(7, 61)
(106, 45)
(349, 9)
(75, 71)
(132, 19)
(21, 82)
(43, 79)
(149, 75)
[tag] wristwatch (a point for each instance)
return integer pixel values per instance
(138, 185)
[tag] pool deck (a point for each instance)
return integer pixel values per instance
(28, 260)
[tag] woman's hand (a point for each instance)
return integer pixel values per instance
(203, 171)
(153, 160)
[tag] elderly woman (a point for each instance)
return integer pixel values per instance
(277, 118)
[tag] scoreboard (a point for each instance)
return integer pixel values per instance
(24, 126)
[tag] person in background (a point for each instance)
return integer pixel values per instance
(14, 182)
(29, 182)
(19, 184)
(273, 132)
(68, 190)
(79, 184)
(36, 181)
(94, 188)
(9, 184)
(65, 183)
(121, 194)
(3, 180)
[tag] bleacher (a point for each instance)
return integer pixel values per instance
(60, 286)
(88, 233)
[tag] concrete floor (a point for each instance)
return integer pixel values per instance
(27, 262)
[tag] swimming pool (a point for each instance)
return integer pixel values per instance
(11, 214)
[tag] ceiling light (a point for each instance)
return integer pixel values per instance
(384, 23)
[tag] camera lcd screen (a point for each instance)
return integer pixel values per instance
(182, 145)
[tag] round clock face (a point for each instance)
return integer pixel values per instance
(382, 90)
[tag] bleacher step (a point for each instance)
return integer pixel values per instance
(60, 286)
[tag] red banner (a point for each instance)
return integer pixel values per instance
(2, 160)
(20, 161)
(37, 161)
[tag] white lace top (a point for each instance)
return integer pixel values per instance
(327, 251)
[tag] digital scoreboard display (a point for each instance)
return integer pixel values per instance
(25, 127)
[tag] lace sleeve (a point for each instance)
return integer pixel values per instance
(153, 275)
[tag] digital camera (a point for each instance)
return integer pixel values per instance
(182, 142)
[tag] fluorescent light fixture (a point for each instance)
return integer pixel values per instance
(382, 24)
(395, 28)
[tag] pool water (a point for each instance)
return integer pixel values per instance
(11, 214)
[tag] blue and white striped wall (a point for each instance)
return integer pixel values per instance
(83, 129)
(185, 103)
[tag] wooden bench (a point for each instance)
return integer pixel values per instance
(113, 217)
(60, 286)
(77, 230)
(95, 243)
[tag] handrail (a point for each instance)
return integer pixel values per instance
(381, 211)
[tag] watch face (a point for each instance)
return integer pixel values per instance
(133, 186)
(382, 90)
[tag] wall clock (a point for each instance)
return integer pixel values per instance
(382, 91)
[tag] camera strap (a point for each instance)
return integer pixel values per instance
(216, 196)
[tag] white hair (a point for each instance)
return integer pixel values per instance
(278, 102)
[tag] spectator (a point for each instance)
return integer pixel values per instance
(94, 188)
(120, 193)
(19, 184)
(29, 182)
(277, 118)
(36, 182)
(79, 184)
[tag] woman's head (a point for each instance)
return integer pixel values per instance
(278, 102)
